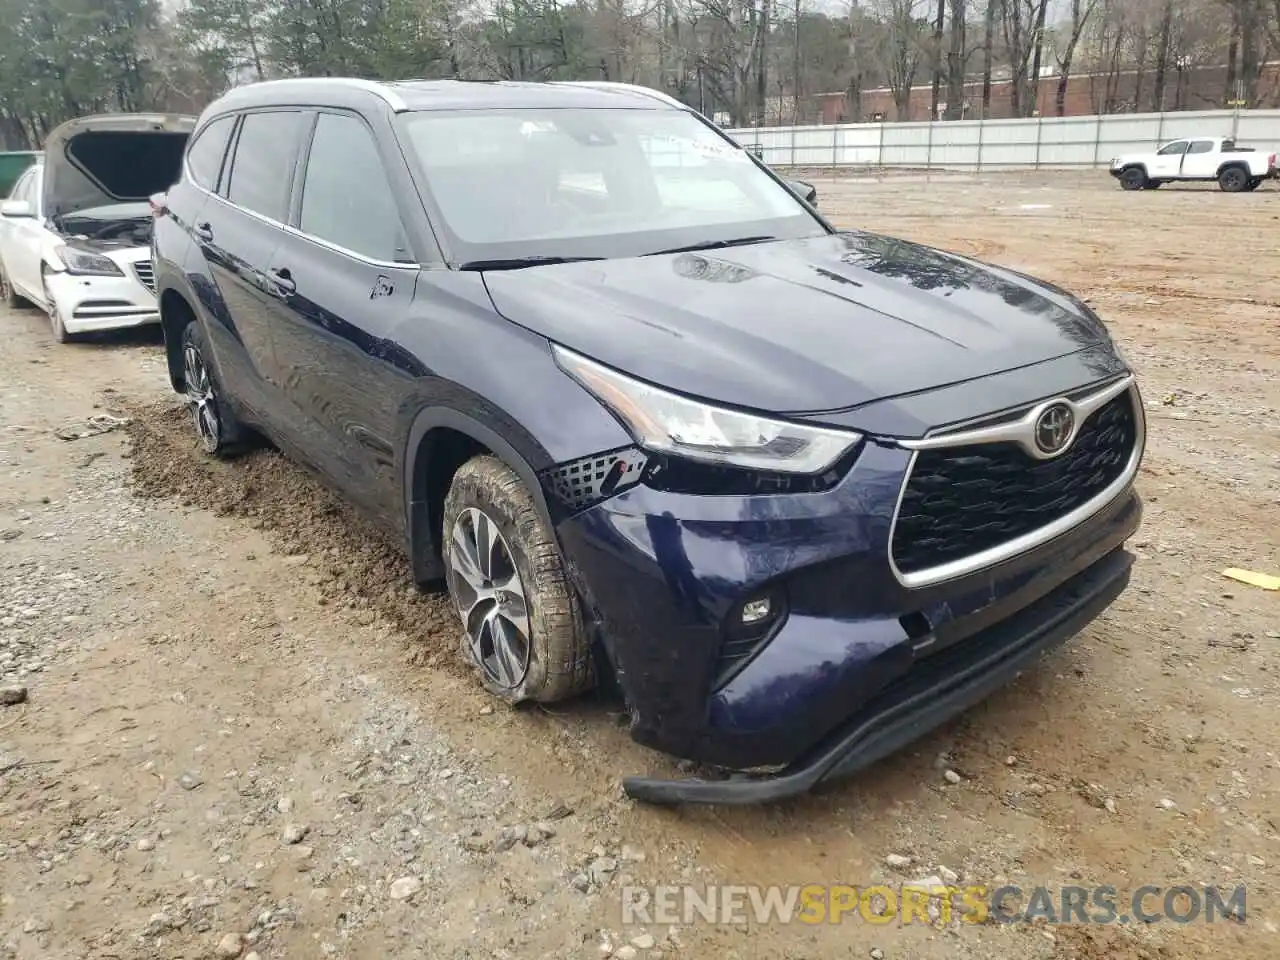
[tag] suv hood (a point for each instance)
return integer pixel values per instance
(802, 326)
(112, 158)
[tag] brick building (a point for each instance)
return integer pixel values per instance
(1199, 88)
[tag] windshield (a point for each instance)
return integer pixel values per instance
(594, 183)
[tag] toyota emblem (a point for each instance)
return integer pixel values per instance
(1054, 427)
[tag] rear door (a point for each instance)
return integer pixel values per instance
(1201, 159)
(347, 276)
(238, 231)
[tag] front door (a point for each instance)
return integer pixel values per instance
(347, 277)
(1168, 161)
(23, 238)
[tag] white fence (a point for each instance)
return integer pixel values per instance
(1044, 142)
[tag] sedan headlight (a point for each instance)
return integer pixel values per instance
(86, 263)
(669, 423)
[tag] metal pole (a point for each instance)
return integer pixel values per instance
(795, 92)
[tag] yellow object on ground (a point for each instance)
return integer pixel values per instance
(1253, 578)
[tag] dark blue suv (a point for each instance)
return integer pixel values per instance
(799, 494)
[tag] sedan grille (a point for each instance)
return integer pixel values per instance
(145, 273)
(960, 501)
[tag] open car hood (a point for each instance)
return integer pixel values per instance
(112, 158)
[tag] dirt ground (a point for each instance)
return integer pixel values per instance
(247, 734)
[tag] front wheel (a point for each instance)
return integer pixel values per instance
(56, 325)
(521, 619)
(1233, 180)
(217, 427)
(1135, 178)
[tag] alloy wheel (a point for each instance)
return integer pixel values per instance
(200, 399)
(490, 598)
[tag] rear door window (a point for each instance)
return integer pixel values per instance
(262, 169)
(204, 157)
(346, 197)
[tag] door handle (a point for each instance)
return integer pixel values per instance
(204, 232)
(283, 280)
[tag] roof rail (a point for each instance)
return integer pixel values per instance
(627, 87)
(372, 86)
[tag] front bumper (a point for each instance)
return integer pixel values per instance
(91, 303)
(942, 688)
(661, 572)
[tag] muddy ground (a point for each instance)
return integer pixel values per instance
(245, 732)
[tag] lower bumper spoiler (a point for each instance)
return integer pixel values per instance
(937, 690)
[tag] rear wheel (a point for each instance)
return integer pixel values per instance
(216, 426)
(1233, 179)
(1135, 178)
(522, 623)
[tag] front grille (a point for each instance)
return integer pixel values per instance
(145, 273)
(960, 501)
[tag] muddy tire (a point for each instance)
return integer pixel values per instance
(1233, 180)
(522, 622)
(1135, 178)
(217, 428)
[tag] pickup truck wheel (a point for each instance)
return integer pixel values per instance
(1254, 184)
(1233, 180)
(1135, 178)
(522, 623)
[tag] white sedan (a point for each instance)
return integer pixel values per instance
(75, 233)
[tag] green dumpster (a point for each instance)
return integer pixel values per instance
(12, 164)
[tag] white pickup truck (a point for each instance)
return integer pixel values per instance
(1199, 158)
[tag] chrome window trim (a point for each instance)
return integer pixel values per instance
(1035, 538)
(269, 221)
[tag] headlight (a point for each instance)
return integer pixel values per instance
(79, 261)
(670, 423)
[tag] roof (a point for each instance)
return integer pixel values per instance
(415, 95)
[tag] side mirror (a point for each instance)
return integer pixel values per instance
(805, 191)
(16, 208)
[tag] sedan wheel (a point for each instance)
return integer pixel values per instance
(56, 326)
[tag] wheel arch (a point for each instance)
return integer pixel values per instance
(440, 440)
(1226, 165)
(176, 311)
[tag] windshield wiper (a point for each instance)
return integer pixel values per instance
(518, 263)
(713, 245)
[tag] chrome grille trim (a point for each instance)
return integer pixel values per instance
(145, 272)
(1015, 431)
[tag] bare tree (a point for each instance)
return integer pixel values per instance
(1081, 10)
(904, 32)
